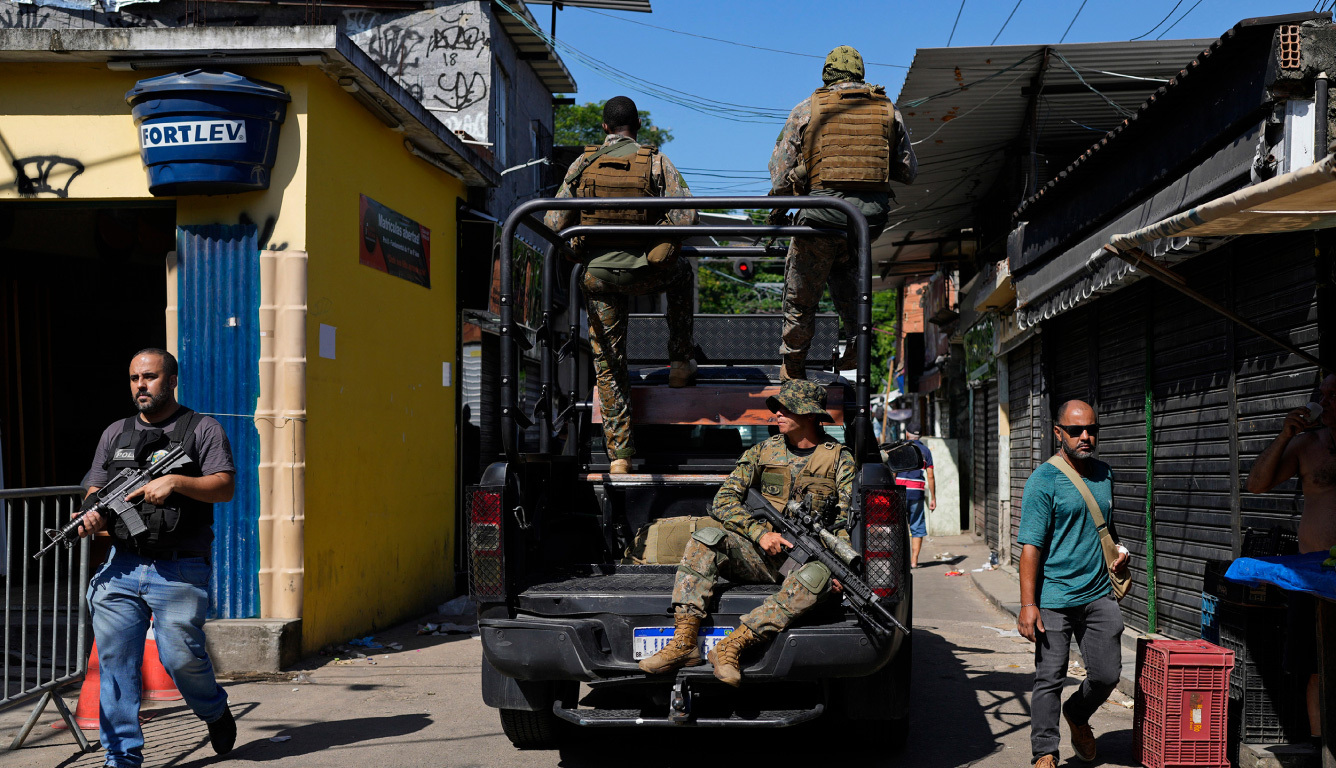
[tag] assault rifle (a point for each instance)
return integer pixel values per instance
(109, 501)
(812, 541)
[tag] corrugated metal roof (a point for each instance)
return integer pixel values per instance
(965, 106)
(639, 6)
(1156, 96)
(533, 49)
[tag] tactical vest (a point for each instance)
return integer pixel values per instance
(848, 140)
(624, 169)
(182, 524)
(817, 477)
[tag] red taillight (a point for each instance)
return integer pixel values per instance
(486, 559)
(882, 540)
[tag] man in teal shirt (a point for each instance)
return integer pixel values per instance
(1065, 588)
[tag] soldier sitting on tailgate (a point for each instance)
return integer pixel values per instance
(846, 140)
(802, 459)
(620, 267)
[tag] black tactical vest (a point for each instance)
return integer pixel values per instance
(183, 525)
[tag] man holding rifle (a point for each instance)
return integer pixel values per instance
(801, 460)
(163, 572)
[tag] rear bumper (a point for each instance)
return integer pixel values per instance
(590, 718)
(599, 648)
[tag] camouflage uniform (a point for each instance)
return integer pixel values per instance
(734, 552)
(815, 262)
(611, 276)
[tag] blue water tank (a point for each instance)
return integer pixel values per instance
(207, 132)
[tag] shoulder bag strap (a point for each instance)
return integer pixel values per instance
(1091, 504)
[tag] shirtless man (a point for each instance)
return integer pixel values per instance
(1311, 453)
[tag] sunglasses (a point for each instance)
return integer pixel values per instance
(1075, 430)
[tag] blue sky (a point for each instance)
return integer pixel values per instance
(728, 156)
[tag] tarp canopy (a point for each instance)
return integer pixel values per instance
(1299, 200)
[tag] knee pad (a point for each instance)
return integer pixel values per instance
(814, 576)
(710, 537)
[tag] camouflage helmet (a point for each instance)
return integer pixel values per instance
(801, 397)
(843, 63)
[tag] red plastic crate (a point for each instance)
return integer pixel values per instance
(1182, 704)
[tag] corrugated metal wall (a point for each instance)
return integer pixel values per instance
(992, 500)
(1120, 324)
(1219, 395)
(1191, 405)
(218, 276)
(1270, 382)
(1027, 425)
(979, 460)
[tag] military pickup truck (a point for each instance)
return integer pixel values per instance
(565, 613)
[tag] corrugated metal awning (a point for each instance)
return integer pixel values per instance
(639, 6)
(1295, 201)
(965, 106)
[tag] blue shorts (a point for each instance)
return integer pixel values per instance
(918, 517)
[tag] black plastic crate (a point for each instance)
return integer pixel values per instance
(1263, 699)
(1214, 584)
(1270, 543)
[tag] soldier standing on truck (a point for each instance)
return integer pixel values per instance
(846, 140)
(801, 460)
(620, 267)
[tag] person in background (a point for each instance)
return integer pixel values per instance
(915, 483)
(1306, 446)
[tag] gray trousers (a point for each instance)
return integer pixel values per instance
(1098, 626)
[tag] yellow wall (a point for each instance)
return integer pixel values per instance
(70, 115)
(380, 433)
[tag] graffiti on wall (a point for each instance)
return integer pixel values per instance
(442, 56)
(45, 175)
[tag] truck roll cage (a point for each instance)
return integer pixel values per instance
(512, 337)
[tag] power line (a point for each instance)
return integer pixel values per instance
(1073, 21)
(1116, 107)
(734, 42)
(1180, 18)
(952, 36)
(694, 102)
(1008, 21)
(1166, 18)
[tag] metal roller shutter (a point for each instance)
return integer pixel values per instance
(991, 498)
(1026, 390)
(1281, 298)
(1121, 344)
(979, 459)
(1073, 341)
(1191, 409)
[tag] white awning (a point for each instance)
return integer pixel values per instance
(1299, 200)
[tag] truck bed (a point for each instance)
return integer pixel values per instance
(642, 591)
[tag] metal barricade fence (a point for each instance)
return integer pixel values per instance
(47, 633)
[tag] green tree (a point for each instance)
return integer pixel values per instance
(582, 124)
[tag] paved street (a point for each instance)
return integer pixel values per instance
(421, 706)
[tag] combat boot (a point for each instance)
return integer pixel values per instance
(724, 655)
(619, 467)
(681, 651)
(792, 368)
(682, 373)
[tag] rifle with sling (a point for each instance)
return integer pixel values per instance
(812, 541)
(109, 501)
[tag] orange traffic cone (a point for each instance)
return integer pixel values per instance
(86, 711)
(158, 685)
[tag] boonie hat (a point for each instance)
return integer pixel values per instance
(801, 396)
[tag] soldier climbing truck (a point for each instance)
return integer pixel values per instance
(572, 567)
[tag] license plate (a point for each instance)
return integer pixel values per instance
(650, 640)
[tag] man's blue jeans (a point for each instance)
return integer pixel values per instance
(123, 595)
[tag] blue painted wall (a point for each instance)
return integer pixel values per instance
(218, 310)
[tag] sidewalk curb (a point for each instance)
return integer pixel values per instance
(1000, 591)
